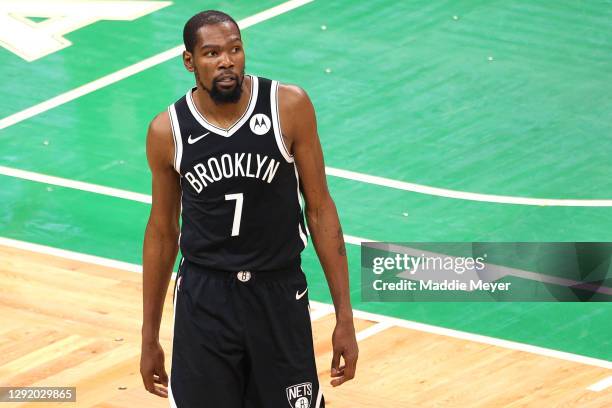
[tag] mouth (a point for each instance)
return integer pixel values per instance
(227, 80)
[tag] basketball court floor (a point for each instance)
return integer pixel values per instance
(440, 121)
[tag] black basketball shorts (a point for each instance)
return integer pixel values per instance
(242, 340)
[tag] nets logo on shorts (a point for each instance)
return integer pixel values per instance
(299, 395)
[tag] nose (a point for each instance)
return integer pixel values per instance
(226, 61)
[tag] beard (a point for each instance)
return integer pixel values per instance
(221, 95)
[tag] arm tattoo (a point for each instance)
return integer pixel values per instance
(341, 247)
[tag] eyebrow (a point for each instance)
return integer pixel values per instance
(216, 46)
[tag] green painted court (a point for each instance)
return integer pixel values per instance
(502, 99)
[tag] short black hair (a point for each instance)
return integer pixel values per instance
(201, 19)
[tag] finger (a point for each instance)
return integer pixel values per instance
(149, 383)
(338, 381)
(160, 391)
(164, 377)
(161, 378)
(351, 366)
(335, 362)
(348, 372)
(147, 380)
(338, 373)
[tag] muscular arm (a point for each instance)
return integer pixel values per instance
(160, 248)
(298, 123)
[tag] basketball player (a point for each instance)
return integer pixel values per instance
(231, 157)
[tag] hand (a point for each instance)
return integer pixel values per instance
(345, 345)
(152, 368)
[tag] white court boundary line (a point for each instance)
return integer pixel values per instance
(372, 330)
(464, 195)
(74, 184)
(144, 198)
(388, 321)
(76, 256)
(350, 175)
(601, 385)
(107, 191)
(346, 174)
(136, 68)
(319, 311)
(507, 344)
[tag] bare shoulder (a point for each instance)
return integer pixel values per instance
(292, 97)
(160, 126)
(160, 142)
(297, 115)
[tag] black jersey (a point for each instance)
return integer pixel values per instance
(240, 202)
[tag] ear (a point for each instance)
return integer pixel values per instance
(188, 61)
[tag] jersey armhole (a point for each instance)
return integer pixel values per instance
(278, 135)
(178, 141)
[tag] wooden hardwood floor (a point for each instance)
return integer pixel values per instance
(69, 323)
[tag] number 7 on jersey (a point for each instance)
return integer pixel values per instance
(237, 213)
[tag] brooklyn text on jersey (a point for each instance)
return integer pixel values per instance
(236, 180)
(228, 166)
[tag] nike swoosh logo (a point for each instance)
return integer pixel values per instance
(299, 295)
(192, 141)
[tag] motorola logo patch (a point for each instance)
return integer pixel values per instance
(260, 124)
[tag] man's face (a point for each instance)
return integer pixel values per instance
(218, 62)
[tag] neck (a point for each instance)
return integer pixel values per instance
(222, 114)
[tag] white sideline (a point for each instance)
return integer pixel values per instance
(601, 385)
(372, 330)
(136, 68)
(512, 345)
(346, 174)
(350, 175)
(321, 310)
(77, 185)
(77, 256)
(108, 191)
(145, 198)
(390, 321)
(463, 195)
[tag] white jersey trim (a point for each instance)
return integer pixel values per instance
(303, 236)
(278, 135)
(238, 124)
(178, 141)
(319, 398)
(176, 289)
